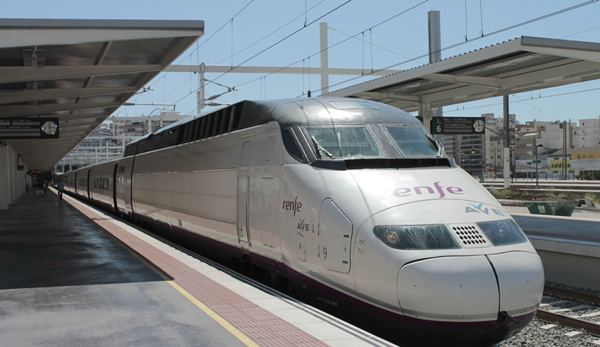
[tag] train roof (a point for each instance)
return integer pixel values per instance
(287, 112)
(323, 111)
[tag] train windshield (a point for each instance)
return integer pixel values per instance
(370, 141)
(412, 141)
(343, 142)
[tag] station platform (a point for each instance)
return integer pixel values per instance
(568, 246)
(72, 275)
(566, 228)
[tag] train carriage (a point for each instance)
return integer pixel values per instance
(102, 187)
(349, 202)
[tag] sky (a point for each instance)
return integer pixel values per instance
(362, 34)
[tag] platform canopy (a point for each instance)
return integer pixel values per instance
(79, 71)
(516, 66)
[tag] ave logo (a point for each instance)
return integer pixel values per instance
(303, 226)
(473, 208)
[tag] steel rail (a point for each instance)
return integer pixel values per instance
(569, 294)
(571, 322)
(568, 321)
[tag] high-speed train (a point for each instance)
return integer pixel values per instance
(348, 202)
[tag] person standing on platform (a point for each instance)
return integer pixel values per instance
(61, 187)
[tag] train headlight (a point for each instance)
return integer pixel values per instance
(416, 236)
(392, 237)
(502, 232)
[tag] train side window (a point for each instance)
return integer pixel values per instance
(291, 145)
(236, 114)
(223, 118)
(210, 120)
(196, 128)
(230, 119)
(217, 123)
(187, 131)
(203, 127)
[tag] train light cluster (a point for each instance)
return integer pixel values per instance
(416, 236)
(503, 232)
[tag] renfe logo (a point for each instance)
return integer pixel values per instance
(292, 205)
(436, 189)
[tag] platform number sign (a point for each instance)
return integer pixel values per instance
(457, 125)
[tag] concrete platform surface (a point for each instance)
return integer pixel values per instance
(64, 281)
(73, 276)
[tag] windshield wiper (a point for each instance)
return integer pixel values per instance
(319, 148)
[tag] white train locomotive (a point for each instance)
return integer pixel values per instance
(350, 202)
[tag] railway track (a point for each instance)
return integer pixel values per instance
(571, 309)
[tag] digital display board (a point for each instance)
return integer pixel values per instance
(458, 125)
(29, 128)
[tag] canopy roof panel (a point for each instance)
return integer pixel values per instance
(519, 65)
(80, 71)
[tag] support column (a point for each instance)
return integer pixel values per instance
(435, 36)
(507, 162)
(435, 48)
(201, 95)
(324, 60)
(12, 173)
(427, 115)
(4, 178)
(20, 179)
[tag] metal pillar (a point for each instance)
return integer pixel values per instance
(12, 175)
(200, 95)
(435, 54)
(435, 41)
(564, 171)
(507, 162)
(435, 47)
(4, 181)
(12, 182)
(427, 115)
(324, 60)
(537, 171)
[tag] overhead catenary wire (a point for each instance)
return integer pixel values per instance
(198, 46)
(448, 47)
(371, 43)
(295, 32)
(478, 38)
(275, 44)
(225, 24)
(247, 47)
(285, 38)
(274, 31)
(338, 43)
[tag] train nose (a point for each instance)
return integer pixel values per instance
(449, 289)
(472, 297)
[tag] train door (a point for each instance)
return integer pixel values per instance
(243, 184)
(335, 237)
